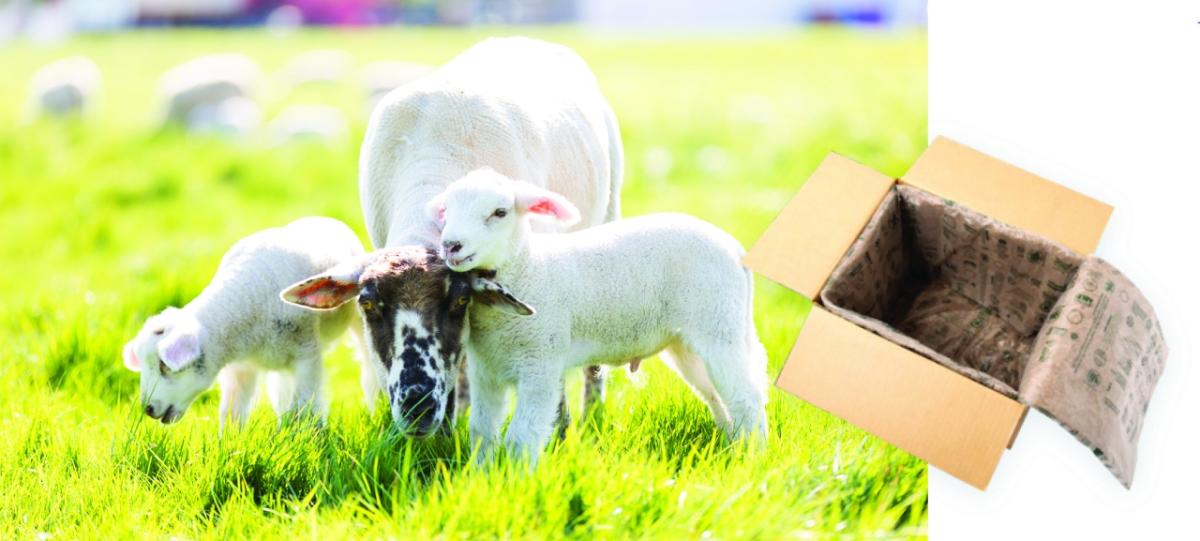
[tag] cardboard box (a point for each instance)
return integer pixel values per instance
(950, 301)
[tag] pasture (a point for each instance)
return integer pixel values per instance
(105, 223)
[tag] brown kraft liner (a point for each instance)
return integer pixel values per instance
(1019, 313)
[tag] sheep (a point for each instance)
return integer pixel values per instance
(612, 294)
(190, 94)
(237, 328)
(317, 66)
(66, 87)
(522, 106)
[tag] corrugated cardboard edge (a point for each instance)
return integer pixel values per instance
(819, 224)
(943, 418)
(1010, 194)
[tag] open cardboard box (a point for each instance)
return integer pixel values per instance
(949, 302)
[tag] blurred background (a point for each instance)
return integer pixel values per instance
(140, 139)
(52, 20)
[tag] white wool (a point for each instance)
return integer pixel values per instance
(526, 108)
(611, 294)
(64, 87)
(243, 328)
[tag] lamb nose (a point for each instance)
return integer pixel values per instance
(452, 247)
(149, 410)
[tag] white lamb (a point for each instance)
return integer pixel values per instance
(238, 327)
(612, 294)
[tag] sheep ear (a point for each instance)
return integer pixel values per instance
(327, 290)
(539, 202)
(436, 209)
(491, 293)
(131, 359)
(179, 348)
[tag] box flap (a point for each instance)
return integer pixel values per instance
(1009, 194)
(812, 233)
(945, 419)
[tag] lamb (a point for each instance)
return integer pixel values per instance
(197, 93)
(612, 294)
(237, 327)
(66, 87)
(311, 122)
(524, 107)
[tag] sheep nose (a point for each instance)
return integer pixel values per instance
(451, 247)
(149, 410)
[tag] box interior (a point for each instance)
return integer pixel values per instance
(952, 284)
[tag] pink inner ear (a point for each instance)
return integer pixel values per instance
(323, 293)
(547, 207)
(131, 359)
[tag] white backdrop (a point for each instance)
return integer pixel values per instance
(1103, 97)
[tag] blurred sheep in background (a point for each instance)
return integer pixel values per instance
(213, 93)
(67, 87)
(329, 66)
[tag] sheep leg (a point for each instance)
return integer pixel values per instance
(691, 368)
(594, 380)
(281, 389)
(739, 376)
(489, 404)
(238, 383)
(309, 375)
(538, 397)
(564, 414)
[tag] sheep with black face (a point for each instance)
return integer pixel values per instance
(414, 309)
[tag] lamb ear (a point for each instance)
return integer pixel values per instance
(491, 293)
(436, 209)
(131, 359)
(179, 348)
(540, 202)
(327, 290)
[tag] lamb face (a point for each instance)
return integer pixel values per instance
(483, 217)
(413, 310)
(168, 354)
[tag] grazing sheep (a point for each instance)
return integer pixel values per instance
(524, 107)
(234, 116)
(237, 327)
(66, 87)
(612, 294)
(191, 93)
(309, 122)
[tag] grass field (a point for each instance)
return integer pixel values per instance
(104, 223)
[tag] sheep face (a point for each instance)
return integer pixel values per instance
(167, 352)
(484, 214)
(414, 311)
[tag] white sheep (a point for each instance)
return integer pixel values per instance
(525, 107)
(70, 86)
(237, 327)
(190, 93)
(317, 66)
(612, 294)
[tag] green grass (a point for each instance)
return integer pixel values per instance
(104, 224)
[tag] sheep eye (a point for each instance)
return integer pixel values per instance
(500, 213)
(461, 301)
(368, 305)
(162, 368)
(159, 332)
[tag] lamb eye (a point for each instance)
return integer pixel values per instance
(159, 332)
(162, 368)
(368, 305)
(461, 301)
(500, 213)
